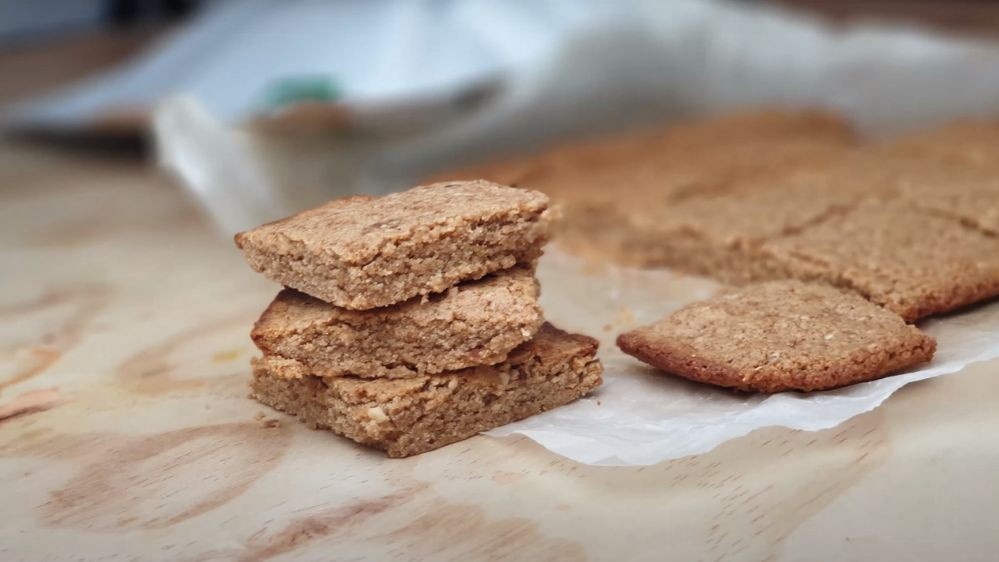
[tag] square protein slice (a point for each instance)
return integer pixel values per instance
(779, 336)
(367, 252)
(473, 323)
(911, 261)
(411, 416)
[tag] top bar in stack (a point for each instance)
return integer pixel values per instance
(365, 252)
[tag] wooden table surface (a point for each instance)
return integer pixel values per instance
(126, 432)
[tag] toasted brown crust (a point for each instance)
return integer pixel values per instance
(473, 323)
(410, 416)
(779, 336)
(363, 252)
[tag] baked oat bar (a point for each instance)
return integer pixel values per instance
(911, 261)
(411, 416)
(779, 336)
(720, 236)
(603, 184)
(367, 252)
(473, 323)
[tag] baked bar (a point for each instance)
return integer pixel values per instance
(778, 336)
(366, 252)
(911, 261)
(473, 323)
(628, 199)
(720, 236)
(602, 184)
(411, 416)
(969, 194)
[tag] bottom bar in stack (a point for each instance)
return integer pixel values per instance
(411, 416)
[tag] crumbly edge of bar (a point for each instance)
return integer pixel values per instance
(445, 408)
(862, 365)
(399, 348)
(442, 257)
(933, 301)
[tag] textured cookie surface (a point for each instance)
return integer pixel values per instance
(968, 143)
(410, 416)
(473, 323)
(969, 194)
(719, 236)
(367, 252)
(778, 336)
(604, 184)
(913, 262)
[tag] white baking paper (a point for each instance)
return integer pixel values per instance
(641, 416)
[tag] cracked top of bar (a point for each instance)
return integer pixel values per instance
(365, 252)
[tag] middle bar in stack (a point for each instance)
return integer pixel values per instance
(423, 327)
(474, 323)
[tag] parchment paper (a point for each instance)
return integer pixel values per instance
(641, 416)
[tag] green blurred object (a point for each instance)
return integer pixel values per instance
(297, 89)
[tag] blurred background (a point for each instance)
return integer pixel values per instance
(258, 109)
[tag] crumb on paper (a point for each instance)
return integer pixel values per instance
(625, 319)
(259, 415)
(625, 316)
(271, 423)
(227, 355)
